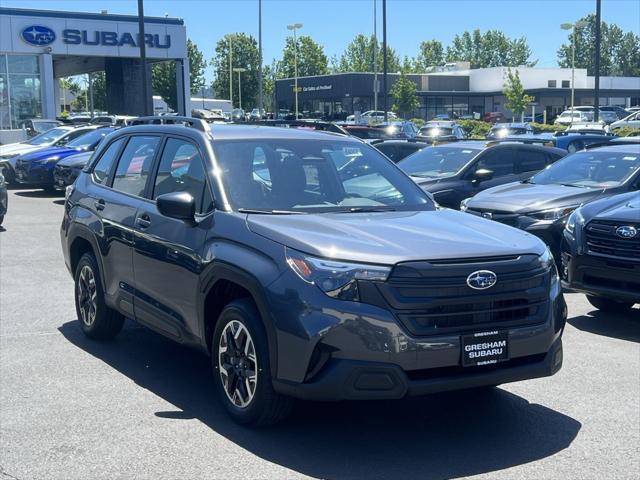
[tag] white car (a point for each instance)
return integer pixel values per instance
(632, 121)
(568, 117)
(56, 137)
(372, 116)
(589, 127)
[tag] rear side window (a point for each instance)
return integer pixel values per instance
(532, 160)
(134, 165)
(181, 170)
(500, 161)
(103, 167)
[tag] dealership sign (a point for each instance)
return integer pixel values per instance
(39, 36)
(315, 88)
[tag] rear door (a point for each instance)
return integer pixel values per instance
(167, 254)
(501, 161)
(530, 161)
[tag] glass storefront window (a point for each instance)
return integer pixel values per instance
(20, 90)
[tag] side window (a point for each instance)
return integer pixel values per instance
(135, 163)
(532, 160)
(71, 136)
(181, 170)
(390, 151)
(103, 167)
(500, 161)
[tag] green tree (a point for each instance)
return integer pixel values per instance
(619, 53)
(163, 76)
(311, 58)
(431, 54)
(269, 75)
(244, 49)
(403, 93)
(99, 91)
(517, 99)
(491, 49)
(358, 57)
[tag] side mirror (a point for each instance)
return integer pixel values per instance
(482, 175)
(180, 205)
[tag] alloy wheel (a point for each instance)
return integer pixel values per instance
(238, 364)
(87, 294)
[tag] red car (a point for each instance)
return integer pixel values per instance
(493, 117)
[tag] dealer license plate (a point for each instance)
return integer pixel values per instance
(485, 348)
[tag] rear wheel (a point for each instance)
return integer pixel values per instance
(609, 305)
(240, 359)
(96, 319)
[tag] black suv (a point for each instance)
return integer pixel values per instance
(306, 264)
(456, 171)
(601, 252)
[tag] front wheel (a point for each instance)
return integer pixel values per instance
(97, 320)
(609, 305)
(240, 359)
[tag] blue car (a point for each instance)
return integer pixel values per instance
(576, 141)
(36, 168)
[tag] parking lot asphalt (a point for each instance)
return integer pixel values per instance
(143, 407)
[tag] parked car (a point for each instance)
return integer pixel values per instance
(608, 117)
(493, 117)
(589, 127)
(67, 170)
(56, 137)
(568, 117)
(601, 252)
(632, 121)
(503, 130)
(619, 111)
(238, 115)
(455, 171)
(36, 168)
(367, 133)
(113, 120)
(538, 118)
(320, 271)
(371, 116)
(4, 198)
(36, 126)
(435, 131)
(399, 128)
(573, 141)
(396, 150)
(256, 115)
(541, 204)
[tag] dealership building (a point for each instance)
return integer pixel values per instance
(39, 47)
(455, 88)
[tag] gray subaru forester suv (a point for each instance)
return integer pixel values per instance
(306, 264)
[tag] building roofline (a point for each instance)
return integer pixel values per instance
(113, 17)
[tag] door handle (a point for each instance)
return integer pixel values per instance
(99, 204)
(143, 221)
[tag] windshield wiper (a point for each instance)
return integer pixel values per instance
(367, 210)
(529, 181)
(571, 185)
(265, 211)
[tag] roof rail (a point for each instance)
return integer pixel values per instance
(196, 123)
(521, 139)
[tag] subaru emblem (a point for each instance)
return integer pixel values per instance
(488, 215)
(38, 35)
(482, 279)
(626, 231)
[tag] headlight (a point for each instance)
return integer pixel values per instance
(546, 259)
(335, 278)
(575, 219)
(55, 158)
(553, 214)
(464, 203)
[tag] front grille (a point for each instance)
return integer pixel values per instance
(66, 174)
(602, 239)
(506, 218)
(434, 298)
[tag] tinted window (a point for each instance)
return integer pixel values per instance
(391, 151)
(135, 162)
(48, 136)
(103, 167)
(89, 139)
(313, 176)
(532, 160)
(181, 170)
(438, 161)
(500, 161)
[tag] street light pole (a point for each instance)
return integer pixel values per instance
(596, 99)
(143, 58)
(231, 71)
(295, 27)
(375, 56)
(260, 92)
(574, 27)
(384, 59)
(239, 70)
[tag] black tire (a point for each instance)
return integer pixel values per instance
(609, 305)
(265, 407)
(96, 319)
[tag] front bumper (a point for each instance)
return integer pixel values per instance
(34, 175)
(331, 349)
(64, 176)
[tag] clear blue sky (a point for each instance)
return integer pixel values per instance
(333, 23)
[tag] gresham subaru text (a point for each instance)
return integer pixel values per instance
(306, 264)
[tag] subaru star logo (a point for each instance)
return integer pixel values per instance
(626, 231)
(38, 35)
(482, 279)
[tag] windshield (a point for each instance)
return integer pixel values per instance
(437, 161)
(293, 176)
(591, 169)
(41, 127)
(89, 140)
(48, 136)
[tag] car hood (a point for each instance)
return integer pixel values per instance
(625, 207)
(19, 149)
(44, 153)
(76, 161)
(392, 237)
(526, 197)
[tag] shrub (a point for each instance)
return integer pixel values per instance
(544, 127)
(627, 131)
(418, 122)
(476, 129)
